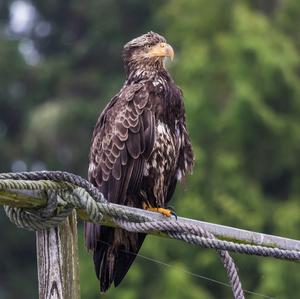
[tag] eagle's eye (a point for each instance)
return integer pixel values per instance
(148, 47)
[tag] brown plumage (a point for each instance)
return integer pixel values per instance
(140, 149)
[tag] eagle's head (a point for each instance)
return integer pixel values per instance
(144, 55)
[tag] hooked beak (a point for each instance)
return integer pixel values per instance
(161, 50)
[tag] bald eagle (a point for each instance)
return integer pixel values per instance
(140, 149)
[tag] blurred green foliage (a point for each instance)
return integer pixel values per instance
(238, 65)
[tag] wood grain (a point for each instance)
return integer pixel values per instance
(57, 259)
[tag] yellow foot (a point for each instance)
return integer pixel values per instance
(163, 211)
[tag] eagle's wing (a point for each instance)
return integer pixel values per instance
(123, 140)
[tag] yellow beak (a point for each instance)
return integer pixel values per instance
(161, 50)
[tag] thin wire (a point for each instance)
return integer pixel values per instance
(197, 275)
(187, 272)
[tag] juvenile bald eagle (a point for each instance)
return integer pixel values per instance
(140, 149)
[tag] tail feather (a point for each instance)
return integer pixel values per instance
(114, 252)
(126, 258)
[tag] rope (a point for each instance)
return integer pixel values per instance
(66, 191)
(56, 176)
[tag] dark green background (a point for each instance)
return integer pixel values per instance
(238, 63)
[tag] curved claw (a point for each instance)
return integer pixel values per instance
(172, 210)
(174, 214)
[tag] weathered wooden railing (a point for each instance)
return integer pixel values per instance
(57, 252)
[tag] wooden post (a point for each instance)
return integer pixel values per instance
(57, 259)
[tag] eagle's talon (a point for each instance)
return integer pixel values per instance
(168, 212)
(174, 214)
(173, 211)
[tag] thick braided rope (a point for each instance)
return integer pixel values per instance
(87, 197)
(194, 234)
(80, 198)
(76, 197)
(56, 176)
(89, 202)
(48, 217)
